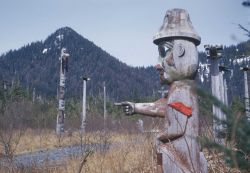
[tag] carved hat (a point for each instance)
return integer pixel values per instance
(177, 24)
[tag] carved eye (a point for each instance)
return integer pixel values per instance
(163, 50)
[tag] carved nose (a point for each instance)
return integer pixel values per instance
(159, 67)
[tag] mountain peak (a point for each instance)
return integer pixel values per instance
(61, 36)
(37, 66)
(64, 30)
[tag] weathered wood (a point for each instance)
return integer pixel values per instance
(181, 153)
(61, 107)
(178, 141)
(104, 107)
(83, 120)
(178, 150)
(226, 88)
(246, 96)
(219, 90)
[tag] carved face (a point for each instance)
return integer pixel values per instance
(178, 60)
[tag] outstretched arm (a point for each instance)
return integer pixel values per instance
(155, 109)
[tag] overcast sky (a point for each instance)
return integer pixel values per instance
(123, 28)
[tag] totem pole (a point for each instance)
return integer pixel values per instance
(61, 107)
(223, 83)
(83, 120)
(214, 53)
(221, 134)
(245, 69)
(177, 146)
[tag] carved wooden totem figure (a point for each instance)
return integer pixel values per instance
(178, 149)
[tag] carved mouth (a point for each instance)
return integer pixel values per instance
(161, 73)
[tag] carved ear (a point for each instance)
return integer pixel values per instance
(180, 50)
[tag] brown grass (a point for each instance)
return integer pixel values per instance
(136, 158)
(34, 140)
(127, 157)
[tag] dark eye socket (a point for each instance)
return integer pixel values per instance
(163, 50)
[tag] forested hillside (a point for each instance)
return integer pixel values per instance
(36, 65)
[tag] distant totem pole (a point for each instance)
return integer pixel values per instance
(214, 53)
(61, 106)
(178, 149)
(247, 107)
(243, 62)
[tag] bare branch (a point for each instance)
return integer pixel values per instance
(84, 160)
(244, 29)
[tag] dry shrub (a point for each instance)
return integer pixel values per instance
(216, 162)
(130, 157)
